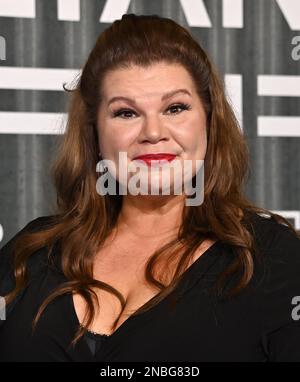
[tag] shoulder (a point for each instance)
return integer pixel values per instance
(7, 251)
(38, 224)
(274, 240)
(277, 285)
(32, 226)
(277, 274)
(278, 250)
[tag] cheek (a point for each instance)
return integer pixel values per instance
(193, 136)
(200, 143)
(111, 140)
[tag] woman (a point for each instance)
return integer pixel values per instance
(145, 277)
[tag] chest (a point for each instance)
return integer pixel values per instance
(126, 274)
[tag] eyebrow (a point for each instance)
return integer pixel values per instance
(164, 97)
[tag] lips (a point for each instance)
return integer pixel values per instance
(156, 158)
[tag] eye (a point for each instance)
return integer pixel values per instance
(127, 113)
(182, 106)
(121, 112)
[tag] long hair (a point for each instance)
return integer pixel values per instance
(83, 218)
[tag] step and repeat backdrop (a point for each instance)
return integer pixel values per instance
(254, 43)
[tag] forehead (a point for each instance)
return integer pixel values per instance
(138, 81)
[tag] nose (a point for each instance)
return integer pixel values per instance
(153, 130)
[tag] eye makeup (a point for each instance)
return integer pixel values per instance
(179, 105)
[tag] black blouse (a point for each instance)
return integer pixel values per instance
(261, 324)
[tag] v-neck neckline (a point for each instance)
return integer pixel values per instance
(186, 282)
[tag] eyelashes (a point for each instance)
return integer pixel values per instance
(122, 111)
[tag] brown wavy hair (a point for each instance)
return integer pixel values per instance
(83, 219)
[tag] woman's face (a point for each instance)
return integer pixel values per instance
(151, 110)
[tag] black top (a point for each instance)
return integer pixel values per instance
(261, 324)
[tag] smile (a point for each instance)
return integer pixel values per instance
(155, 159)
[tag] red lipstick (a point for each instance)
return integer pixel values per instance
(155, 158)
